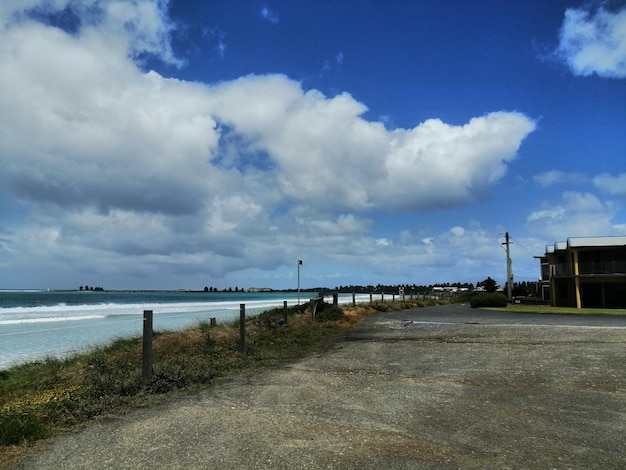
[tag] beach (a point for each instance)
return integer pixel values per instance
(35, 325)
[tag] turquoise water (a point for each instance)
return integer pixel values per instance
(38, 324)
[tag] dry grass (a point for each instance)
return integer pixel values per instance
(353, 315)
(226, 335)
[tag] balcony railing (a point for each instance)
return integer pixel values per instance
(602, 267)
(593, 267)
(562, 270)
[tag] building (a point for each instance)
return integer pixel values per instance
(586, 272)
(543, 286)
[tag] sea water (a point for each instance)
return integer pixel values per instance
(35, 325)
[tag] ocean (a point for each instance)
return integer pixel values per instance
(35, 325)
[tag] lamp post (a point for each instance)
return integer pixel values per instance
(299, 264)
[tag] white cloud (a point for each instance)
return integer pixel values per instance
(82, 126)
(439, 165)
(554, 177)
(383, 242)
(469, 253)
(615, 185)
(594, 42)
(269, 15)
(577, 215)
(458, 231)
(331, 157)
(139, 27)
(124, 171)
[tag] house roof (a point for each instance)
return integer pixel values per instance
(583, 242)
(560, 245)
(595, 241)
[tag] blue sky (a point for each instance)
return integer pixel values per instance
(183, 144)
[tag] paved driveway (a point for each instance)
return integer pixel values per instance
(463, 313)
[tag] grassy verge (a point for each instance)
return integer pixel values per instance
(546, 309)
(42, 399)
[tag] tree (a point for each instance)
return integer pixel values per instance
(490, 285)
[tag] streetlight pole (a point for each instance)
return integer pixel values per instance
(299, 264)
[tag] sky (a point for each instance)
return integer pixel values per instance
(155, 144)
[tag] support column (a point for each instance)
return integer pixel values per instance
(577, 280)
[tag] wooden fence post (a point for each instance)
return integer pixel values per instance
(371, 298)
(147, 344)
(335, 299)
(353, 299)
(285, 311)
(242, 328)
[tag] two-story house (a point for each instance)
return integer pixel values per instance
(586, 272)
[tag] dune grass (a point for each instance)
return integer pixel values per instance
(42, 399)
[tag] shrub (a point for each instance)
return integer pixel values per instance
(329, 313)
(16, 427)
(207, 338)
(489, 300)
(270, 319)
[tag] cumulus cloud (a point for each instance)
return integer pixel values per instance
(139, 27)
(594, 41)
(330, 156)
(615, 185)
(576, 215)
(555, 177)
(439, 165)
(111, 162)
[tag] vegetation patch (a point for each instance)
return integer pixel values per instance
(42, 399)
(494, 299)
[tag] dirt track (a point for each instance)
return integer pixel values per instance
(403, 390)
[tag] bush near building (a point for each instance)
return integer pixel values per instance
(495, 299)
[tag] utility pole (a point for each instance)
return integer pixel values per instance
(509, 270)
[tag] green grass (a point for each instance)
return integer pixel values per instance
(41, 399)
(546, 309)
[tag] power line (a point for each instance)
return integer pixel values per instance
(523, 247)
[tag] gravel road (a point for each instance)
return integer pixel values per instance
(440, 387)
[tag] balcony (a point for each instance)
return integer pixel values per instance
(602, 267)
(590, 268)
(562, 270)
